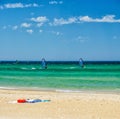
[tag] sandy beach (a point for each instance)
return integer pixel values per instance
(82, 105)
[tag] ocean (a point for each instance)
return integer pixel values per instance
(67, 76)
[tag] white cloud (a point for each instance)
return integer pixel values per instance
(107, 18)
(85, 18)
(25, 25)
(17, 5)
(15, 27)
(80, 19)
(55, 2)
(39, 24)
(29, 31)
(14, 5)
(40, 19)
(63, 21)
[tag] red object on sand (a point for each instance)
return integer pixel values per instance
(21, 100)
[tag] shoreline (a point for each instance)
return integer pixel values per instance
(79, 105)
(99, 91)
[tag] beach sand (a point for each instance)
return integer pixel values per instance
(79, 105)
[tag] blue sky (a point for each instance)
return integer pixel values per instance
(60, 29)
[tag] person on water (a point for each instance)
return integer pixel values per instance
(43, 64)
(81, 62)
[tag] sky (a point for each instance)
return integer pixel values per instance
(60, 30)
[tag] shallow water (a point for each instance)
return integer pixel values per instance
(66, 76)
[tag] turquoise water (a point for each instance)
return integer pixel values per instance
(70, 76)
